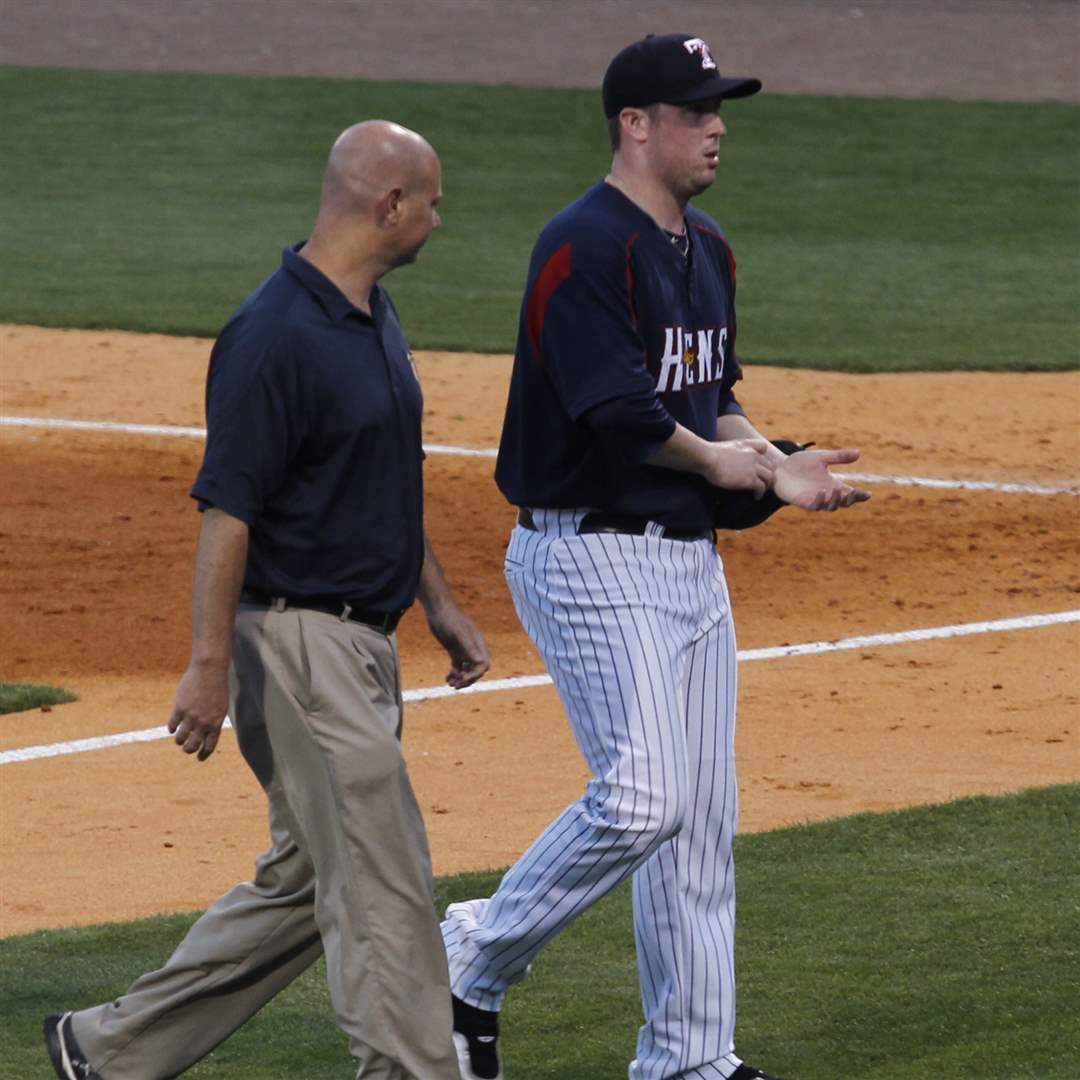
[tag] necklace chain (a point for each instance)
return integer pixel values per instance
(680, 241)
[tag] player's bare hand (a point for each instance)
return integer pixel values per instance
(804, 480)
(202, 702)
(461, 638)
(741, 464)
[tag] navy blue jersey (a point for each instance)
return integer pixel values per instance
(313, 439)
(612, 310)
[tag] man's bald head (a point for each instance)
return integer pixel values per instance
(379, 205)
(370, 159)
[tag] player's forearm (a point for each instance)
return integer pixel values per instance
(741, 464)
(433, 590)
(219, 575)
(737, 426)
(683, 451)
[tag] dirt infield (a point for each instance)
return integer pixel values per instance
(98, 533)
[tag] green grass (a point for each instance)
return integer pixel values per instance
(18, 697)
(940, 941)
(871, 234)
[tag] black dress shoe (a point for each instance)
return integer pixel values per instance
(65, 1053)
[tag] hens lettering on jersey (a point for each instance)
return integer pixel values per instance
(691, 358)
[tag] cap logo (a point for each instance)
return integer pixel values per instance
(696, 45)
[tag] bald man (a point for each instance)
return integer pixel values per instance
(312, 546)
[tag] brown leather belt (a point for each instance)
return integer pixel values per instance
(600, 521)
(385, 621)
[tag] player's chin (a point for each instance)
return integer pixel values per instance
(701, 180)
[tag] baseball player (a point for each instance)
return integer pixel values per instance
(620, 428)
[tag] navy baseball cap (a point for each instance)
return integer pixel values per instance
(673, 69)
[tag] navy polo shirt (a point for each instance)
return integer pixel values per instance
(313, 414)
(613, 313)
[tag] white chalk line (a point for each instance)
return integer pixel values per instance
(959, 485)
(464, 451)
(181, 432)
(867, 641)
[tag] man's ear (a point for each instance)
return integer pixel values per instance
(388, 207)
(635, 124)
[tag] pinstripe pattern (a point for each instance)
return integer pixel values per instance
(637, 635)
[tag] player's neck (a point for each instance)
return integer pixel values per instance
(655, 199)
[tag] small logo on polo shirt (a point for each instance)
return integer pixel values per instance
(696, 45)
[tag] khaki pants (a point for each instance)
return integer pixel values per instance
(317, 707)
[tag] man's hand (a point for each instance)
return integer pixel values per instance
(202, 701)
(461, 638)
(741, 464)
(804, 480)
(202, 698)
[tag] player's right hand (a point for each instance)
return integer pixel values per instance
(202, 702)
(741, 464)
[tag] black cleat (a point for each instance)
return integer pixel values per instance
(476, 1040)
(748, 1072)
(64, 1052)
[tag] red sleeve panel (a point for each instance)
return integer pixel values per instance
(555, 271)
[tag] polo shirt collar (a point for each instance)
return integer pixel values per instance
(335, 303)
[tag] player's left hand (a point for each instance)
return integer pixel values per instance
(804, 480)
(461, 638)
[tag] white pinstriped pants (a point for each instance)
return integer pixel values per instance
(636, 632)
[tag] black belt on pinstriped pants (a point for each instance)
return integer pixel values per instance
(601, 521)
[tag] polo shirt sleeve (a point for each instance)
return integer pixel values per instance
(581, 324)
(254, 420)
